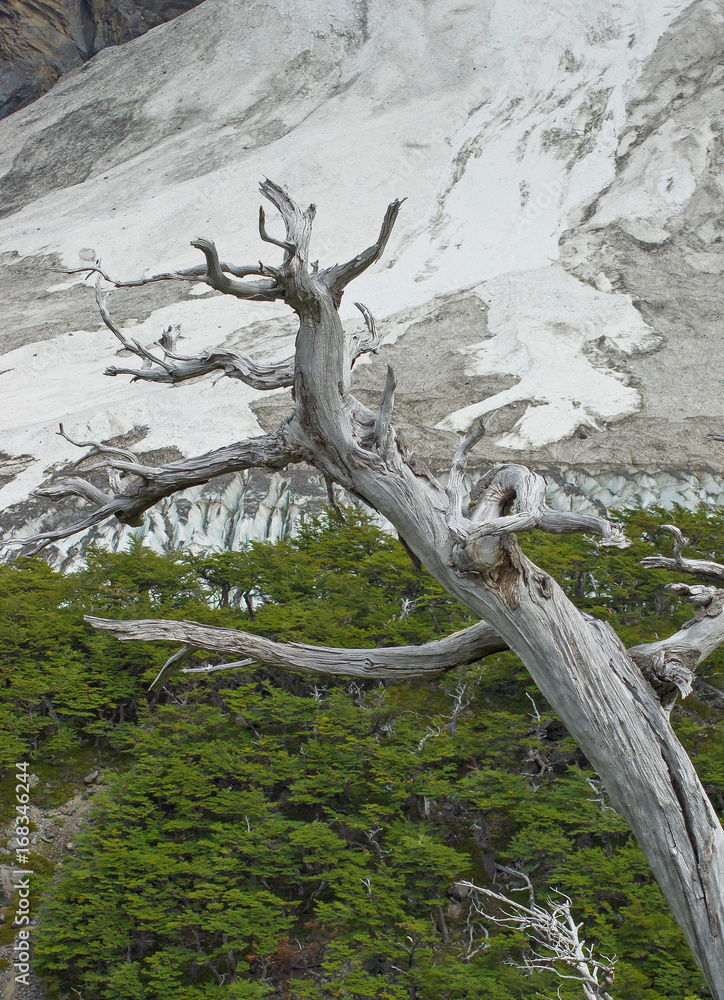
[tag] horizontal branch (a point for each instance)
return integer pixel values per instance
(154, 483)
(678, 564)
(266, 291)
(216, 277)
(173, 368)
(402, 662)
(230, 363)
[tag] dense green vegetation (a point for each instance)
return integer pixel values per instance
(269, 836)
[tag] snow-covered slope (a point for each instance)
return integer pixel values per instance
(557, 259)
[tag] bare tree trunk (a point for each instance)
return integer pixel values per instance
(579, 664)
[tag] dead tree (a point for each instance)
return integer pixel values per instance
(614, 702)
(554, 936)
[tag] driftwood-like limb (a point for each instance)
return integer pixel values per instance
(371, 344)
(477, 536)
(98, 448)
(678, 564)
(216, 667)
(339, 276)
(670, 663)
(149, 359)
(264, 291)
(266, 452)
(216, 277)
(173, 368)
(74, 487)
(298, 223)
(290, 248)
(230, 363)
(173, 661)
(401, 662)
(551, 928)
(457, 523)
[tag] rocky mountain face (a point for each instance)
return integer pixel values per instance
(40, 40)
(556, 267)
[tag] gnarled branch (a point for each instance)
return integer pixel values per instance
(678, 564)
(457, 523)
(340, 275)
(371, 345)
(497, 491)
(578, 663)
(173, 368)
(670, 663)
(216, 276)
(298, 223)
(266, 291)
(98, 448)
(551, 928)
(291, 248)
(266, 452)
(401, 662)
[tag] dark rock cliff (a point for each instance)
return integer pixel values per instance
(42, 39)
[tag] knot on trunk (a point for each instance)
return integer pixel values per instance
(670, 672)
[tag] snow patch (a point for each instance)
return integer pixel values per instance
(539, 323)
(62, 380)
(660, 178)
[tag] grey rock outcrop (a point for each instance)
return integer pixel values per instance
(40, 40)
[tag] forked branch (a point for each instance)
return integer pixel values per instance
(217, 278)
(401, 662)
(151, 484)
(214, 274)
(173, 368)
(678, 564)
(507, 486)
(98, 448)
(670, 664)
(553, 932)
(340, 275)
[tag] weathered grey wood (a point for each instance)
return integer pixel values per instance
(553, 933)
(678, 564)
(396, 663)
(214, 275)
(173, 368)
(578, 663)
(154, 483)
(670, 663)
